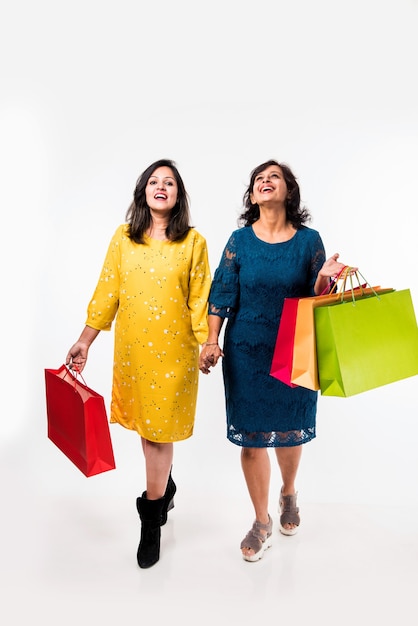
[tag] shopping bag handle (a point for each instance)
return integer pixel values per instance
(332, 287)
(356, 272)
(70, 370)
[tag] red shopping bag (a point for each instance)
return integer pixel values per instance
(282, 363)
(77, 422)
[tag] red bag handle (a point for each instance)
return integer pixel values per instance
(69, 370)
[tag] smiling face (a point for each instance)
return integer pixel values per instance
(269, 187)
(161, 190)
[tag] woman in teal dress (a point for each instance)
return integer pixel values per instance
(274, 255)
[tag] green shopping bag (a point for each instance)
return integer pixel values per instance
(366, 343)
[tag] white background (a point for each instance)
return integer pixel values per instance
(93, 92)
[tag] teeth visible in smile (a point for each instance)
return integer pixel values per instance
(160, 196)
(267, 189)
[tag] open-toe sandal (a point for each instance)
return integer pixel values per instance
(289, 514)
(257, 541)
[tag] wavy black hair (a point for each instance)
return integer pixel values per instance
(138, 214)
(295, 213)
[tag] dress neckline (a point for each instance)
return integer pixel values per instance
(147, 237)
(277, 243)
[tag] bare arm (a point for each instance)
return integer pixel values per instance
(211, 351)
(77, 355)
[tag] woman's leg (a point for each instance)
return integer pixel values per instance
(158, 462)
(256, 467)
(153, 505)
(288, 460)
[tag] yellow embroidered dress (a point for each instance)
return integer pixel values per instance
(158, 293)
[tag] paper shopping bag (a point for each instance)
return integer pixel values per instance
(283, 355)
(304, 366)
(281, 365)
(77, 422)
(296, 333)
(367, 343)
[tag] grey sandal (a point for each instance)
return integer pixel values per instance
(257, 541)
(289, 513)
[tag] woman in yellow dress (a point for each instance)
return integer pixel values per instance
(154, 283)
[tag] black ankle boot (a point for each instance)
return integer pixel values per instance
(168, 499)
(150, 513)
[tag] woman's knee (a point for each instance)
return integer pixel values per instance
(252, 454)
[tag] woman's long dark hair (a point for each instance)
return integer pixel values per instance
(295, 213)
(138, 214)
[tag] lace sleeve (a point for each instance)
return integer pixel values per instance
(224, 293)
(318, 259)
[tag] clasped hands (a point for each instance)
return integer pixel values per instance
(209, 356)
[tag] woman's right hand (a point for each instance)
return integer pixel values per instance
(77, 356)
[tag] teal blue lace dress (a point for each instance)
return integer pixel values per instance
(249, 287)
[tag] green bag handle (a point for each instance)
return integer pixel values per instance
(349, 273)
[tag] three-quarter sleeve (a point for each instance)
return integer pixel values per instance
(103, 306)
(199, 286)
(224, 293)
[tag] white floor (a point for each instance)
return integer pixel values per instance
(68, 553)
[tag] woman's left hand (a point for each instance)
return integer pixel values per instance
(332, 267)
(209, 356)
